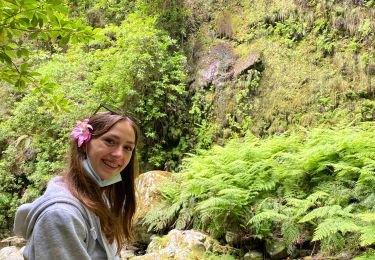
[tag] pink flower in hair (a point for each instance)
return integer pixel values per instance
(82, 133)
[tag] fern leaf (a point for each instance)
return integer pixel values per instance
(368, 217)
(366, 176)
(331, 226)
(325, 212)
(291, 233)
(267, 215)
(312, 199)
(367, 235)
(213, 203)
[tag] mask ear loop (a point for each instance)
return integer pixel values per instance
(86, 152)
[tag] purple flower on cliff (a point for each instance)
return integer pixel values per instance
(82, 132)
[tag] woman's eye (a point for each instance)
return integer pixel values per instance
(128, 148)
(109, 141)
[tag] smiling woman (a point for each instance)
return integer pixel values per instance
(110, 153)
(87, 212)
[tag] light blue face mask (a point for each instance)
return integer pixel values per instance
(95, 177)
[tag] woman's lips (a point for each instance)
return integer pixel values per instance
(111, 164)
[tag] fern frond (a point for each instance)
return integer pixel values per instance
(366, 176)
(212, 204)
(184, 218)
(368, 217)
(331, 226)
(313, 198)
(325, 212)
(162, 216)
(237, 195)
(367, 235)
(291, 234)
(267, 215)
(343, 169)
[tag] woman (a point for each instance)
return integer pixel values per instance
(87, 212)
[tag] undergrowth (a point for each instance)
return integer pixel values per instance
(306, 187)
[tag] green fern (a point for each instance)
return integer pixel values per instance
(368, 217)
(325, 212)
(331, 226)
(312, 200)
(267, 215)
(288, 185)
(367, 235)
(291, 234)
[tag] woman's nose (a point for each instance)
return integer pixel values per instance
(117, 152)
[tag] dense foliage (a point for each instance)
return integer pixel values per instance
(178, 66)
(134, 66)
(24, 23)
(312, 189)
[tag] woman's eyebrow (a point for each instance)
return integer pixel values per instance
(114, 136)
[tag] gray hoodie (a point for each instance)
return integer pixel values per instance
(58, 226)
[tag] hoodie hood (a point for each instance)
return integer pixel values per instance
(27, 214)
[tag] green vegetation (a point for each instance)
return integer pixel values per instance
(278, 148)
(311, 187)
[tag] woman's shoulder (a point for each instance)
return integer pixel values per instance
(63, 216)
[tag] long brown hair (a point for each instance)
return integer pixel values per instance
(115, 218)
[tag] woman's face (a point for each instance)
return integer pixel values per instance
(110, 153)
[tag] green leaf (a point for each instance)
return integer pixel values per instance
(5, 58)
(34, 74)
(44, 36)
(34, 20)
(55, 21)
(33, 35)
(20, 83)
(40, 22)
(22, 52)
(64, 40)
(24, 67)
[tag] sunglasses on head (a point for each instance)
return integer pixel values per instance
(109, 108)
(116, 111)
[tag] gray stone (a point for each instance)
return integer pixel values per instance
(182, 244)
(13, 241)
(253, 255)
(11, 253)
(232, 238)
(276, 249)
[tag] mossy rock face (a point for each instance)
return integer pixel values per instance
(214, 67)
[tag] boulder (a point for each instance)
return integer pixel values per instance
(253, 255)
(147, 197)
(11, 253)
(182, 244)
(276, 249)
(13, 241)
